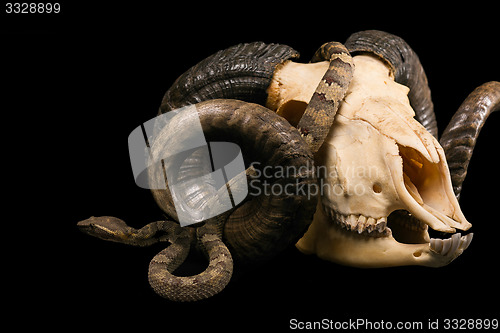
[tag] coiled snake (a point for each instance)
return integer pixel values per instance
(313, 127)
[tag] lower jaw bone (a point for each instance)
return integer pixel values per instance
(330, 242)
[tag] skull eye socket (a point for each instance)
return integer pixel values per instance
(377, 188)
(292, 111)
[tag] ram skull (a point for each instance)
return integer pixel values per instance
(377, 159)
(384, 177)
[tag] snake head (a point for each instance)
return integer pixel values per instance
(105, 227)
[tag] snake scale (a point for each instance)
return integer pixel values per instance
(320, 112)
(313, 127)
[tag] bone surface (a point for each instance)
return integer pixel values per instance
(378, 159)
(292, 87)
(331, 243)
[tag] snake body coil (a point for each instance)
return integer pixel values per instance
(224, 87)
(260, 227)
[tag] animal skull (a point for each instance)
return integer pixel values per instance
(376, 160)
(384, 177)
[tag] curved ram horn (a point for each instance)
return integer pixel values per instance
(277, 216)
(406, 67)
(460, 136)
(243, 71)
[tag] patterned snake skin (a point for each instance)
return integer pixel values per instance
(161, 267)
(203, 285)
(320, 112)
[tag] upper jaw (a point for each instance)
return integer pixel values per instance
(425, 189)
(419, 170)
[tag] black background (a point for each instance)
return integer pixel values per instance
(77, 83)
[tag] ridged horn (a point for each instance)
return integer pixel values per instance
(406, 67)
(243, 72)
(269, 221)
(460, 136)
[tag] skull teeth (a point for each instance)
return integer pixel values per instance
(450, 246)
(361, 224)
